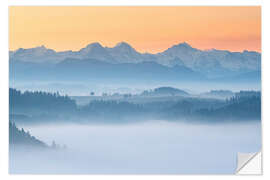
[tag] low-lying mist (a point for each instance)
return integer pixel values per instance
(81, 88)
(149, 147)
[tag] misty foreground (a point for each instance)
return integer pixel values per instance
(156, 147)
(164, 131)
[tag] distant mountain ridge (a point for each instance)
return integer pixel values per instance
(91, 70)
(212, 63)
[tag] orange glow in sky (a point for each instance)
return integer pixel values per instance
(147, 29)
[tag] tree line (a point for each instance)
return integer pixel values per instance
(243, 105)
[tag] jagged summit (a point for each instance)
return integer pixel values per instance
(38, 53)
(123, 45)
(42, 47)
(92, 46)
(94, 51)
(182, 54)
(184, 44)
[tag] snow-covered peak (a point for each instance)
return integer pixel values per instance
(183, 44)
(42, 47)
(179, 50)
(36, 54)
(94, 45)
(123, 45)
(181, 54)
(36, 51)
(91, 47)
(124, 53)
(94, 51)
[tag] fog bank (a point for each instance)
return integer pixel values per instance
(156, 147)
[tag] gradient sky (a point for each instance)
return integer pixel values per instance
(147, 29)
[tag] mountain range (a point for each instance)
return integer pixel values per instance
(210, 63)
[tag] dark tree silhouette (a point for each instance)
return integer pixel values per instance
(20, 137)
(244, 105)
(35, 101)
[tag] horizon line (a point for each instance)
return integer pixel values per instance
(124, 42)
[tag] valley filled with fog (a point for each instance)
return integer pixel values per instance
(158, 131)
(153, 147)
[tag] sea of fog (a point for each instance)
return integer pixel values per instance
(153, 147)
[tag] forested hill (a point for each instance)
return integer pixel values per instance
(20, 137)
(245, 105)
(39, 101)
(42, 107)
(165, 91)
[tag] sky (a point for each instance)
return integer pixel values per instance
(147, 29)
